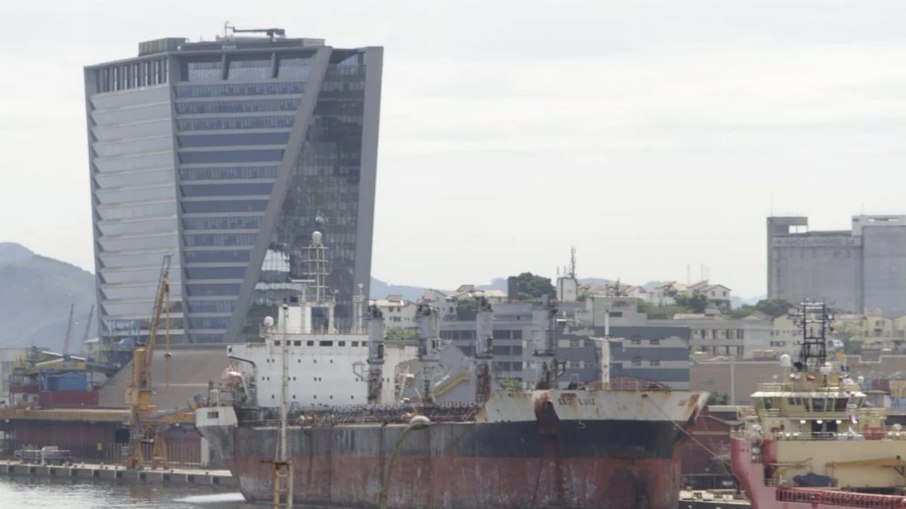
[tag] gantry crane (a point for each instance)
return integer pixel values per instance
(138, 394)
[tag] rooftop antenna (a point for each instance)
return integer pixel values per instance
(572, 262)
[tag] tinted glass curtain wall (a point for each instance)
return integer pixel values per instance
(228, 156)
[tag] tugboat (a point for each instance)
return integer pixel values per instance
(811, 441)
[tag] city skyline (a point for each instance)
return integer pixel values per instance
(651, 136)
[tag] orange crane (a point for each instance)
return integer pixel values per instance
(139, 391)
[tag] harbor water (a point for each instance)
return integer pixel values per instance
(30, 493)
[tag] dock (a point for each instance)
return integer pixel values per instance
(118, 473)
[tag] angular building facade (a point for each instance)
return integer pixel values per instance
(228, 156)
(851, 270)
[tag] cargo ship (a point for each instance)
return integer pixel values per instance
(315, 417)
(812, 441)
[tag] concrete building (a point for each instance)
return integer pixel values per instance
(657, 353)
(721, 336)
(516, 326)
(399, 313)
(853, 271)
(228, 155)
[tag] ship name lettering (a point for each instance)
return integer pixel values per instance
(576, 401)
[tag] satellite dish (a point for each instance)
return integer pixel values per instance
(268, 321)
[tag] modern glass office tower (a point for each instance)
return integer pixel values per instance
(228, 155)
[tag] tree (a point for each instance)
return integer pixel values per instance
(655, 312)
(466, 308)
(852, 347)
(697, 302)
(742, 311)
(773, 307)
(532, 287)
(401, 334)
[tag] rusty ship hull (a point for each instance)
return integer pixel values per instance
(549, 458)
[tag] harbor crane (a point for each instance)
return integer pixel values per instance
(143, 424)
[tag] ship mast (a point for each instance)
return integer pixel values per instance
(484, 350)
(283, 467)
(545, 362)
(426, 316)
(319, 296)
(375, 354)
(813, 320)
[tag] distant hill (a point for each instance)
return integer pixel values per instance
(12, 252)
(35, 295)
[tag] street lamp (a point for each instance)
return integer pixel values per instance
(416, 423)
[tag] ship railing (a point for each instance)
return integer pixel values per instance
(636, 385)
(819, 497)
(774, 387)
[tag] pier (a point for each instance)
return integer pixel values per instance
(118, 473)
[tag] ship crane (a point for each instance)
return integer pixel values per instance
(139, 392)
(68, 331)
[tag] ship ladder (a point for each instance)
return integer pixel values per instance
(283, 484)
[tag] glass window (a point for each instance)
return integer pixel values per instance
(208, 322)
(241, 106)
(225, 206)
(233, 256)
(220, 239)
(231, 156)
(207, 337)
(237, 89)
(210, 306)
(249, 69)
(204, 70)
(298, 68)
(233, 172)
(215, 272)
(222, 223)
(213, 124)
(226, 140)
(227, 189)
(203, 289)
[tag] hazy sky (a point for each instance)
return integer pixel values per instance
(652, 136)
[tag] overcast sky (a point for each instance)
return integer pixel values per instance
(652, 136)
